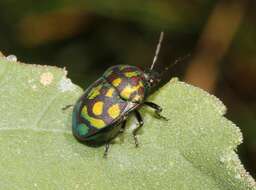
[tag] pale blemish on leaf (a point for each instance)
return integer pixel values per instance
(46, 78)
(31, 81)
(32, 84)
(34, 87)
(65, 84)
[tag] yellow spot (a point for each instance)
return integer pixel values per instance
(130, 74)
(114, 111)
(94, 92)
(46, 78)
(84, 112)
(97, 108)
(127, 91)
(137, 98)
(110, 92)
(116, 82)
(98, 123)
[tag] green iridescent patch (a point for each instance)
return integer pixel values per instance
(83, 129)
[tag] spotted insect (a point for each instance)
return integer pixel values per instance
(101, 112)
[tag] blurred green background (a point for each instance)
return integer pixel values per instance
(87, 37)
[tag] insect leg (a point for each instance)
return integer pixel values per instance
(67, 107)
(106, 150)
(107, 145)
(141, 122)
(157, 109)
(122, 127)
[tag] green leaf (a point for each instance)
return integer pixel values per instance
(193, 150)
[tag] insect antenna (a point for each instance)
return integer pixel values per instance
(179, 60)
(157, 50)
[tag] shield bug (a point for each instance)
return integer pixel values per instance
(100, 114)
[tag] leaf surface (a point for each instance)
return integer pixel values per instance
(194, 149)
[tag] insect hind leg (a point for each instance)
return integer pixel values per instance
(135, 131)
(106, 150)
(123, 127)
(107, 145)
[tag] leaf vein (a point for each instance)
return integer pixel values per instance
(44, 111)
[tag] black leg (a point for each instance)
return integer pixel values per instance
(122, 127)
(67, 107)
(157, 108)
(106, 150)
(107, 145)
(141, 122)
